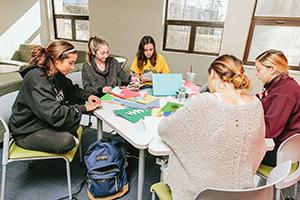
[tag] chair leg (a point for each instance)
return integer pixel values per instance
(153, 196)
(80, 153)
(3, 181)
(295, 190)
(69, 179)
(277, 194)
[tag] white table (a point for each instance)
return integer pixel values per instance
(131, 132)
(158, 148)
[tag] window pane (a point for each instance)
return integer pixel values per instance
(279, 8)
(79, 7)
(284, 38)
(64, 28)
(82, 30)
(208, 39)
(178, 37)
(198, 10)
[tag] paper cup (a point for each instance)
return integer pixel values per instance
(190, 76)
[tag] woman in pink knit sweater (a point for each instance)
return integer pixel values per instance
(217, 138)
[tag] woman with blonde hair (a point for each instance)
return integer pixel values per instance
(48, 108)
(102, 72)
(280, 99)
(217, 138)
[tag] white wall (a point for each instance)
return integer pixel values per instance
(20, 22)
(123, 23)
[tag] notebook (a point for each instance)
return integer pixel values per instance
(166, 84)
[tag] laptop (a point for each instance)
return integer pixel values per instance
(166, 84)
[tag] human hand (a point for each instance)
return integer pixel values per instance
(135, 79)
(94, 99)
(106, 89)
(90, 106)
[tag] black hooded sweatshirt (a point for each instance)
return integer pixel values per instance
(46, 102)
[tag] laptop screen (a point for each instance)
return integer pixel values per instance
(166, 84)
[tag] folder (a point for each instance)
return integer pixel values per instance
(166, 84)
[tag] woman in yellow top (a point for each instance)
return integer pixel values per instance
(147, 60)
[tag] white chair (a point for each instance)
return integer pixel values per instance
(121, 59)
(13, 153)
(288, 150)
(264, 192)
(277, 175)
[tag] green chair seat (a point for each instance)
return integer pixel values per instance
(265, 170)
(162, 191)
(16, 152)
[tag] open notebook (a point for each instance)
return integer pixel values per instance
(166, 84)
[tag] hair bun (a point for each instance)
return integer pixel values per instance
(240, 81)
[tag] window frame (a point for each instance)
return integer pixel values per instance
(193, 24)
(268, 21)
(73, 18)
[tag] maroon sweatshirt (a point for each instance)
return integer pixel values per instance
(281, 103)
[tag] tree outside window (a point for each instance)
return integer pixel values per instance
(194, 26)
(275, 25)
(71, 19)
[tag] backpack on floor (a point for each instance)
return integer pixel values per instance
(106, 172)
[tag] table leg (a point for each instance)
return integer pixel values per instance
(141, 174)
(99, 129)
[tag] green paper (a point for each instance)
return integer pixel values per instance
(132, 114)
(106, 97)
(171, 107)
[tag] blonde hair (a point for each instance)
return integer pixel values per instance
(273, 58)
(231, 70)
(93, 46)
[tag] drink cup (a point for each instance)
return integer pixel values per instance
(190, 76)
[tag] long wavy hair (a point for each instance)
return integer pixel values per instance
(45, 57)
(141, 58)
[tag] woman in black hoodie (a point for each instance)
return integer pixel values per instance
(48, 108)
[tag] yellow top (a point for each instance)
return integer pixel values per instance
(160, 67)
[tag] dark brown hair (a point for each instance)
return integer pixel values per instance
(46, 57)
(230, 69)
(141, 58)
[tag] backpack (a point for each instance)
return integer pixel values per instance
(106, 172)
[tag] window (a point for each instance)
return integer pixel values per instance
(71, 20)
(275, 25)
(194, 26)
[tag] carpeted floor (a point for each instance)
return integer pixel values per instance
(46, 180)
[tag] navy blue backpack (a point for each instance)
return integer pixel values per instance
(106, 173)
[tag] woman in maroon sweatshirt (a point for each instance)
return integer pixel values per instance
(280, 99)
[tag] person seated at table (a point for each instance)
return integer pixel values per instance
(48, 109)
(148, 61)
(101, 72)
(217, 139)
(280, 99)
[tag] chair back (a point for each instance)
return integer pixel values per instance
(121, 59)
(290, 150)
(7, 102)
(264, 192)
(76, 78)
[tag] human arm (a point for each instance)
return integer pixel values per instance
(277, 110)
(134, 67)
(163, 64)
(90, 85)
(47, 103)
